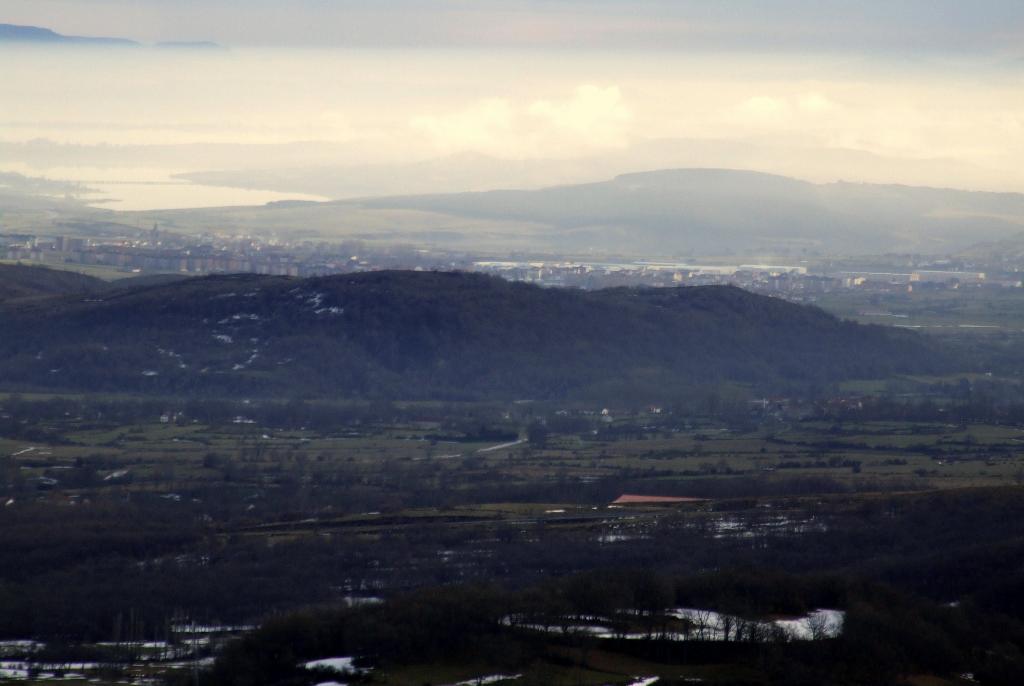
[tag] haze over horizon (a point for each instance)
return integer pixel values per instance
(790, 26)
(518, 94)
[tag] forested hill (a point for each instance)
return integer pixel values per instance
(23, 281)
(438, 335)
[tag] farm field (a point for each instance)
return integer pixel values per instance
(964, 312)
(348, 504)
(96, 457)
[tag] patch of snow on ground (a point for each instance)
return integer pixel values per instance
(211, 628)
(190, 664)
(703, 625)
(144, 644)
(817, 624)
(19, 666)
(569, 629)
(12, 673)
(492, 679)
(342, 665)
(240, 317)
(707, 625)
(314, 300)
(711, 626)
(20, 646)
(619, 538)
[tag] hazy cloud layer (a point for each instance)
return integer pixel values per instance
(918, 92)
(935, 122)
(789, 25)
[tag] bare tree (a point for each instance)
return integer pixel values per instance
(818, 625)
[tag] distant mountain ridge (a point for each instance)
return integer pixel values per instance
(715, 210)
(437, 335)
(35, 34)
(13, 33)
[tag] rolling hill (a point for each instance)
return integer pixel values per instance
(1009, 250)
(18, 281)
(679, 213)
(716, 210)
(437, 335)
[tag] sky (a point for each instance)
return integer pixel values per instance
(898, 26)
(906, 91)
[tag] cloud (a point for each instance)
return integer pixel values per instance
(816, 103)
(763, 111)
(485, 126)
(806, 113)
(593, 118)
